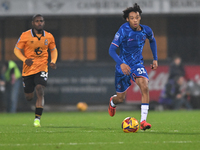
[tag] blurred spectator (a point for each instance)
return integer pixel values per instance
(2, 91)
(2, 84)
(193, 90)
(176, 68)
(12, 77)
(174, 94)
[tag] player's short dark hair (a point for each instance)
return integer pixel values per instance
(135, 8)
(37, 15)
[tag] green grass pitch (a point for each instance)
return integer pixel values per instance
(171, 130)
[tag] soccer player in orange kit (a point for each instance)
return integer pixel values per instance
(35, 44)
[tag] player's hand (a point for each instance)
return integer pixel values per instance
(125, 69)
(53, 66)
(154, 66)
(29, 61)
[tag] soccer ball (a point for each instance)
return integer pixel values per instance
(130, 125)
(82, 106)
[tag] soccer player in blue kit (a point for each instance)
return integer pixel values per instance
(130, 38)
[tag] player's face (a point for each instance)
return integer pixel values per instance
(134, 19)
(38, 23)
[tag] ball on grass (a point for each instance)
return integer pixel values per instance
(82, 106)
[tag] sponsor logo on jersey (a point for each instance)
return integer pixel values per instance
(130, 40)
(38, 50)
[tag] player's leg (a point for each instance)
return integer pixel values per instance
(122, 83)
(41, 82)
(29, 85)
(39, 89)
(118, 98)
(114, 100)
(142, 82)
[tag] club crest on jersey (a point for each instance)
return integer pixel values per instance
(144, 38)
(46, 42)
(116, 36)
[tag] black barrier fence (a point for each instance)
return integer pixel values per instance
(91, 84)
(68, 85)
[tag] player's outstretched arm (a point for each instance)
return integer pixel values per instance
(154, 52)
(153, 46)
(113, 54)
(19, 54)
(54, 56)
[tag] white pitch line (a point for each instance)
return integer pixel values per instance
(44, 131)
(96, 143)
(171, 142)
(180, 142)
(52, 144)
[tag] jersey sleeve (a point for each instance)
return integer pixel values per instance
(52, 44)
(152, 42)
(118, 37)
(150, 34)
(21, 41)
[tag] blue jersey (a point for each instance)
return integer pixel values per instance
(131, 43)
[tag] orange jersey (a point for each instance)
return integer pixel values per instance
(36, 47)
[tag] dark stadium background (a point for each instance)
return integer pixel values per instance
(85, 70)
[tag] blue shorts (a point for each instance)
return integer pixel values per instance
(122, 82)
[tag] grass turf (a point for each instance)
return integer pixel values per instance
(98, 131)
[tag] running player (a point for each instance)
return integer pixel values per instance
(35, 44)
(130, 38)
